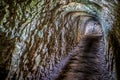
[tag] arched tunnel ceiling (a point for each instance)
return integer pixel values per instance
(92, 9)
(38, 34)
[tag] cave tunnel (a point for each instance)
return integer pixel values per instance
(59, 40)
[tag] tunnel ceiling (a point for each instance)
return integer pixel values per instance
(35, 35)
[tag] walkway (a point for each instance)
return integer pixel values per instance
(88, 63)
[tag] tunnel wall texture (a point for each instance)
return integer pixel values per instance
(33, 38)
(35, 35)
(114, 42)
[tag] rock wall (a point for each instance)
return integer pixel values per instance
(35, 35)
(114, 43)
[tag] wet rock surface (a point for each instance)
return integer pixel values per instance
(88, 63)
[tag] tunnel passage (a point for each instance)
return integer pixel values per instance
(88, 63)
(40, 33)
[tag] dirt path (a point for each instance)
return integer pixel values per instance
(88, 63)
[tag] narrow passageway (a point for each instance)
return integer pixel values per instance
(88, 63)
(59, 40)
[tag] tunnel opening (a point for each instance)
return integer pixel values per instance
(93, 27)
(89, 61)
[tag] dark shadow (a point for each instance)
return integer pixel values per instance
(6, 49)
